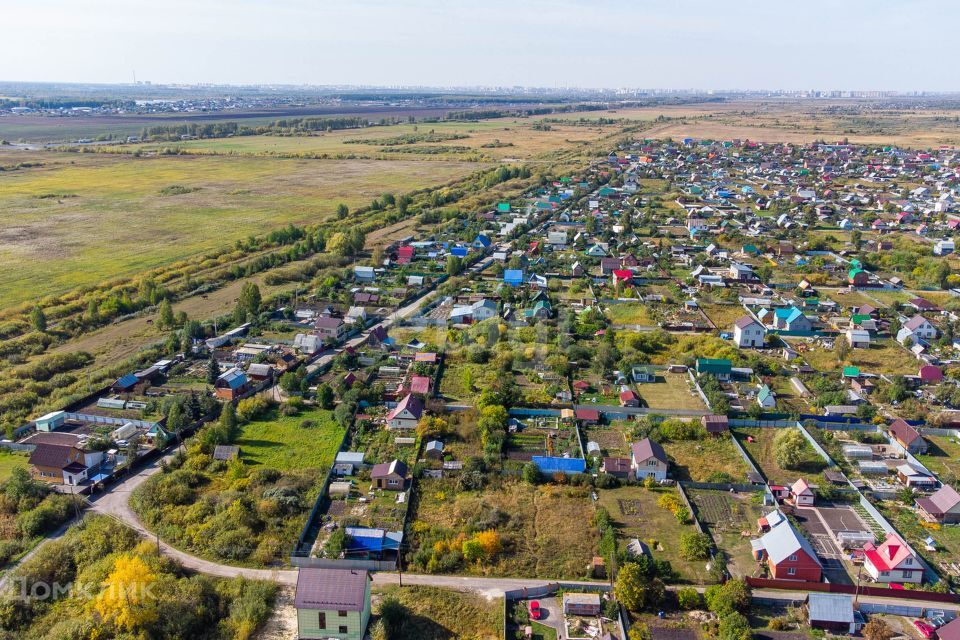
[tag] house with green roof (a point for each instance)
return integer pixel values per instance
(766, 398)
(858, 277)
(720, 368)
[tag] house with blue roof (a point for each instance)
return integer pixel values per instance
(374, 544)
(791, 319)
(459, 251)
(481, 242)
(513, 277)
(125, 383)
(231, 384)
(550, 465)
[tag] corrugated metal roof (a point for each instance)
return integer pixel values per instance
(830, 607)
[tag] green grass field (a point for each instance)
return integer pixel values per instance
(282, 443)
(82, 218)
(10, 461)
(672, 393)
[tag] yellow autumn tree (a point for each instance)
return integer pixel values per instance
(126, 600)
(490, 542)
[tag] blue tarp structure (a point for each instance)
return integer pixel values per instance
(551, 465)
(372, 541)
(513, 277)
(128, 381)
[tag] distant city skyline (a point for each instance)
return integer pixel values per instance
(854, 45)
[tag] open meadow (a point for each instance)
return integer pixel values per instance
(84, 218)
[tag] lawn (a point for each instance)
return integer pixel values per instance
(544, 529)
(635, 513)
(671, 391)
(943, 458)
(762, 451)
(460, 380)
(723, 315)
(700, 460)
(9, 461)
(78, 207)
(441, 614)
(730, 519)
(287, 443)
(625, 313)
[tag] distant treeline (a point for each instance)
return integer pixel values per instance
(489, 114)
(284, 127)
(62, 103)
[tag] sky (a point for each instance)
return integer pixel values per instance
(906, 45)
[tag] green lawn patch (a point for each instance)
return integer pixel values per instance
(310, 439)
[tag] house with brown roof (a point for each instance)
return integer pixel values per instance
(647, 458)
(715, 425)
(59, 464)
(390, 476)
(943, 506)
(907, 437)
(616, 467)
(407, 414)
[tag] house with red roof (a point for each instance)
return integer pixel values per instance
(943, 506)
(407, 414)
(907, 437)
(629, 398)
(930, 374)
(892, 561)
(587, 416)
(622, 276)
(405, 255)
(420, 385)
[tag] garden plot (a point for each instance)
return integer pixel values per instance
(759, 445)
(543, 529)
(613, 439)
(635, 514)
(731, 520)
(543, 440)
(706, 460)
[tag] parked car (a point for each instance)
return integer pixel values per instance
(535, 610)
(926, 629)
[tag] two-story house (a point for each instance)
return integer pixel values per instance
(892, 561)
(748, 333)
(647, 458)
(332, 603)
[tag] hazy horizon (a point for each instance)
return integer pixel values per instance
(859, 45)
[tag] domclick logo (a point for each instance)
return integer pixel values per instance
(28, 590)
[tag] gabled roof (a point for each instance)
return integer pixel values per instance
(889, 555)
(233, 379)
(745, 321)
(915, 322)
(945, 499)
(830, 607)
(331, 589)
(646, 449)
(395, 467)
(410, 403)
(800, 487)
(784, 540)
(903, 432)
(51, 455)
